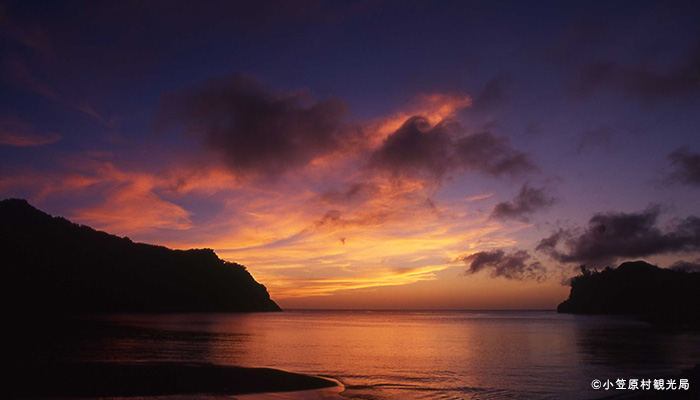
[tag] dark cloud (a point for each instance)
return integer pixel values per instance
(687, 166)
(417, 148)
(516, 265)
(686, 266)
(613, 236)
(642, 81)
(255, 130)
(528, 201)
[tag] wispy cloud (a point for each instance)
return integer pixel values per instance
(115, 200)
(16, 132)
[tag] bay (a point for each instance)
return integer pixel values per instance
(391, 354)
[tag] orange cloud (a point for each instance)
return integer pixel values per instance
(40, 186)
(134, 208)
(120, 202)
(131, 204)
(369, 278)
(433, 107)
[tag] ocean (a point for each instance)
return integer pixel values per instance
(392, 354)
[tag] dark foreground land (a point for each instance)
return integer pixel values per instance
(103, 356)
(147, 379)
(53, 266)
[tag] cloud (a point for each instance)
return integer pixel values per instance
(417, 148)
(493, 93)
(515, 265)
(613, 236)
(331, 217)
(262, 133)
(134, 208)
(686, 266)
(528, 201)
(16, 132)
(255, 130)
(435, 107)
(380, 238)
(687, 166)
(103, 196)
(354, 193)
(357, 278)
(37, 186)
(597, 138)
(642, 81)
(492, 155)
(29, 34)
(16, 72)
(333, 220)
(533, 130)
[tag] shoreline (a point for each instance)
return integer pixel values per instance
(97, 379)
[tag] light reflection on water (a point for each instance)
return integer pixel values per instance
(392, 354)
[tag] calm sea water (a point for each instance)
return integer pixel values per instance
(395, 354)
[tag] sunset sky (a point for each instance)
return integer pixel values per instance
(449, 155)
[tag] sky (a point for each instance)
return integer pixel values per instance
(370, 154)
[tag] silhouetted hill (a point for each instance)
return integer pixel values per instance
(52, 265)
(660, 295)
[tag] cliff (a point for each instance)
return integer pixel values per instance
(658, 294)
(52, 265)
